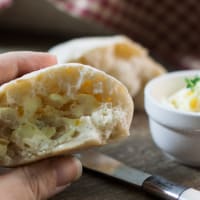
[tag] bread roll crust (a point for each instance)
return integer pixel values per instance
(60, 110)
(118, 56)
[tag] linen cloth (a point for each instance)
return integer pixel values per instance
(169, 28)
(5, 3)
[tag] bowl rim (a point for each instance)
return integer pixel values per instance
(150, 84)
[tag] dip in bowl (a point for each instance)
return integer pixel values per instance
(172, 102)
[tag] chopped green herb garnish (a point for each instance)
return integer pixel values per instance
(191, 83)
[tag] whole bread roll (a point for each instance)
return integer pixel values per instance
(60, 110)
(118, 56)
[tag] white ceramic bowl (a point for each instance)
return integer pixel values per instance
(175, 132)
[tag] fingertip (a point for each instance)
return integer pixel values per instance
(68, 169)
(14, 64)
(42, 179)
(51, 59)
(41, 59)
(54, 58)
(79, 168)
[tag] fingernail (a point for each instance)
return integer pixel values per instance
(68, 169)
(80, 169)
(60, 189)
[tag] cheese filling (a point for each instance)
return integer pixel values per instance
(186, 99)
(41, 123)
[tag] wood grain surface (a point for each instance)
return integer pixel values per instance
(137, 151)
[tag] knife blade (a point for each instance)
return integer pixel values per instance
(155, 185)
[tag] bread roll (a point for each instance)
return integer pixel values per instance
(116, 55)
(60, 110)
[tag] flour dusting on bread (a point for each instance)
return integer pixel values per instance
(59, 110)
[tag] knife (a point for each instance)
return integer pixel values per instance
(152, 184)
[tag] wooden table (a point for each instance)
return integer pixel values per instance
(137, 151)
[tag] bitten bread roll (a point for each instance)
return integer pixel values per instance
(59, 110)
(118, 56)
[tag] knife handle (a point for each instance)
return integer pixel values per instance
(168, 190)
(190, 194)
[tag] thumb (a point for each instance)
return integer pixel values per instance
(40, 180)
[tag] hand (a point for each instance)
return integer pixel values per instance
(43, 179)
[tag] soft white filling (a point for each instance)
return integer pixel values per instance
(39, 128)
